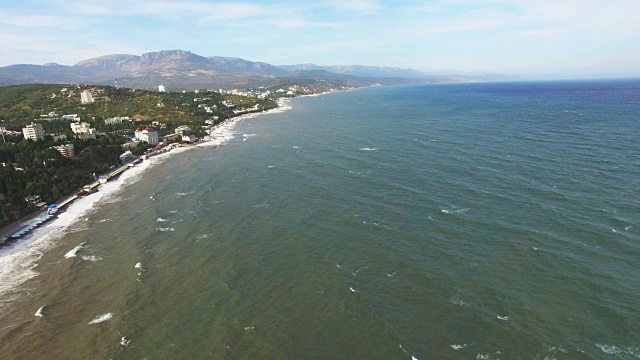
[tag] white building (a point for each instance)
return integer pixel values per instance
(189, 138)
(33, 132)
(181, 130)
(114, 120)
(126, 157)
(162, 88)
(86, 97)
(147, 135)
(83, 130)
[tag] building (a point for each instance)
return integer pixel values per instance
(65, 150)
(126, 157)
(83, 130)
(113, 121)
(162, 88)
(86, 97)
(147, 135)
(33, 132)
(189, 138)
(70, 117)
(181, 130)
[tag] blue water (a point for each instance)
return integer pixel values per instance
(465, 221)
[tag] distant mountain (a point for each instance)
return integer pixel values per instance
(362, 71)
(180, 69)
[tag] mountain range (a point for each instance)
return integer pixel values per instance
(180, 69)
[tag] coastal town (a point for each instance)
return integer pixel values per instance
(147, 131)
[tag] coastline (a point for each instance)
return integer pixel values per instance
(19, 258)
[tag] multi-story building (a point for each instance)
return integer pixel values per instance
(33, 132)
(83, 130)
(65, 150)
(147, 135)
(162, 88)
(86, 97)
(181, 130)
(126, 157)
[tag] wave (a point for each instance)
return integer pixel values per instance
(368, 149)
(101, 318)
(161, 219)
(458, 347)
(454, 211)
(124, 341)
(74, 252)
(165, 229)
(39, 312)
(91, 258)
(615, 350)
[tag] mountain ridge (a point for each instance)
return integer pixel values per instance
(181, 69)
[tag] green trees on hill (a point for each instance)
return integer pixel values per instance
(34, 168)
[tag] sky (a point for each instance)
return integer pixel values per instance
(525, 37)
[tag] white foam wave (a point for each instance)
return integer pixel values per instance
(91, 258)
(124, 341)
(165, 229)
(161, 220)
(203, 236)
(368, 149)
(39, 312)
(616, 350)
(454, 211)
(101, 318)
(352, 289)
(505, 318)
(138, 266)
(458, 347)
(74, 252)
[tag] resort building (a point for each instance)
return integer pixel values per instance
(114, 120)
(83, 130)
(147, 135)
(162, 88)
(181, 130)
(66, 150)
(86, 97)
(126, 157)
(33, 132)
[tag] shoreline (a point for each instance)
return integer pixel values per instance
(19, 258)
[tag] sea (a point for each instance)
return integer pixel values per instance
(435, 221)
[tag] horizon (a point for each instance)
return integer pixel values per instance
(511, 37)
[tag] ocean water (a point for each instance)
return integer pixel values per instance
(473, 221)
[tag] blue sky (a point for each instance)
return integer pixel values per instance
(543, 37)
